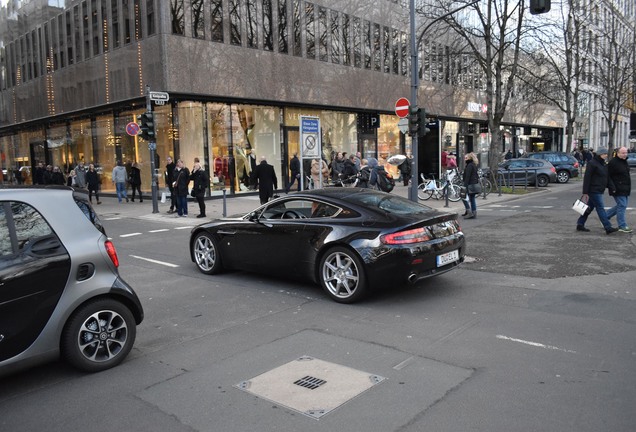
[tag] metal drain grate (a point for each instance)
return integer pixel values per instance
(310, 382)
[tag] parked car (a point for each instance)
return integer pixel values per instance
(524, 171)
(631, 159)
(349, 240)
(566, 165)
(60, 290)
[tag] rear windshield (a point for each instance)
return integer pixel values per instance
(90, 214)
(389, 203)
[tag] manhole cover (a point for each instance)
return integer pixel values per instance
(310, 386)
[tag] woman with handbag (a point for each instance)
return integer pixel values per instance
(201, 183)
(473, 188)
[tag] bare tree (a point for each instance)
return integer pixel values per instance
(493, 31)
(555, 64)
(613, 70)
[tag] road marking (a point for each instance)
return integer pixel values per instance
(184, 227)
(130, 235)
(155, 261)
(159, 230)
(535, 344)
(112, 218)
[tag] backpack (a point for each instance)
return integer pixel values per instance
(384, 180)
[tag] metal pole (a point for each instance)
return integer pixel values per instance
(152, 146)
(415, 175)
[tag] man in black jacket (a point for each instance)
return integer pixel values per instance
(264, 177)
(169, 178)
(595, 181)
(618, 169)
(294, 167)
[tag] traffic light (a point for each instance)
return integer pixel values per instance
(414, 120)
(147, 125)
(423, 130)
(539, 6)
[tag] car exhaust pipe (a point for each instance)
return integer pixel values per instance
(412, 277)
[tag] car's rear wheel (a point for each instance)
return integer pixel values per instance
(342, 275)
(563, 176)
(206, 253)
(99, 335)
(543, 180)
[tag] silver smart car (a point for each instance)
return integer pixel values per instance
(60, 290)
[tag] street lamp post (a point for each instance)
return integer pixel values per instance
(415, 42)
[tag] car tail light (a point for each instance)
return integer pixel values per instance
(553, 169)
(405, 237)
(112, 253)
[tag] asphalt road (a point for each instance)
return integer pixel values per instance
(534, 333)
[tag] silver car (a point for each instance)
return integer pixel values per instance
(60, 290)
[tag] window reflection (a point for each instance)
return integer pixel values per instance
(217, 20)
(310, 31)
(322, 34)
(252, 24)
(346, 41)
(366, 34)
(177, 17)
(296, 26)
(283, 46)
(235, 22)
(268, 36)
(335, 37)
(198, 22)
(357, 44)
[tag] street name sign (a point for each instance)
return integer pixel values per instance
(159, 96)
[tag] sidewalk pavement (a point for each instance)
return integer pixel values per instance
(242, 204)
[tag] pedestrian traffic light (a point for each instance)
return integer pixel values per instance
(147, 125)
(539, 6)
(414, 120)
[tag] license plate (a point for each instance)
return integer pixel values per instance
(448, 257)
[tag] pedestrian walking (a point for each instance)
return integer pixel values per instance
(120, 177)
(169, 178)
(201, 183)
(595, 181)
(294, 167)
(471, 183)
(92, 182)
(135, 181)
(264, 177)
(71, 180)
(618, 170)
(80, 173)
(57, 177)
(180, 185)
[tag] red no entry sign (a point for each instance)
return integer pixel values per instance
(402, 107)
(132, 128)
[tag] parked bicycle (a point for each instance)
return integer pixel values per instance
(431, 187)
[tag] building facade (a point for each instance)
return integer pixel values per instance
(239, 74)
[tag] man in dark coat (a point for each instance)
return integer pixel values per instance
(618, 170)
(264, 177)
(180, 185)
(169, 179)
(595, 181)
(294, 167)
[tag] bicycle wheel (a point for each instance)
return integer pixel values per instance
(453, 193)
(422, 192)
(486, 185)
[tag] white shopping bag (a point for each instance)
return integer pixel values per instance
(163, 197)
(580, 207)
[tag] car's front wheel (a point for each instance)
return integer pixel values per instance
(563, 176)
(99, 335)
(342, 275)
(206, 253)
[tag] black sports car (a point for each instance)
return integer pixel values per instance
(347, 239)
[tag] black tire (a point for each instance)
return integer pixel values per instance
(342, 275)
(205, 251)
(99, 335)
(422, 192)
(543, 180)
(563, 176)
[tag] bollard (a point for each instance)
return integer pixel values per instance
(224, 204)
(446, 193)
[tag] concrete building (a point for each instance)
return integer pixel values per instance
(239, 74)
